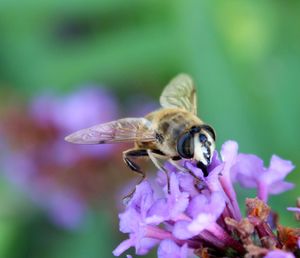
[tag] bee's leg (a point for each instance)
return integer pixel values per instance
(156, 158)
(128, 155)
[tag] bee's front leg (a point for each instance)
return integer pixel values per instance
(156, 157)
(128, 155)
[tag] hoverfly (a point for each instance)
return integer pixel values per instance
(171, 133)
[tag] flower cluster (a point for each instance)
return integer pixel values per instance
(61, 179)
(201, 217)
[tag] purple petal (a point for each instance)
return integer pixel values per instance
(250, 172)
(168, 249)
(170, 167)
(229, 150)
(158, 213)
(279, 254)
(280, 187)
(275, 174)
(129, 221)
(144, 245)
(197, 171)
(229, 154)
(123, 246)
(186, 182)
(174, 185)
(215, 162)
(169, 208)
(177, 200)
(248, 169)
(213, 181)
(142, 199)
(201, 222)
(137, 209)
(197, 205)
(181, 230)
(294, 209)
(280, 166)
(214, 205)
(161, 179)
(205, 211)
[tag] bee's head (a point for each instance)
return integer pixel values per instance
(198, 143)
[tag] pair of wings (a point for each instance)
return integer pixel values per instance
(179, 93)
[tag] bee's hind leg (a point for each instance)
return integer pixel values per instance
(156, 158)
(128, 155)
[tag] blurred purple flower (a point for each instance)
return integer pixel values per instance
(202, 216)
(83, 108)
(57, 176)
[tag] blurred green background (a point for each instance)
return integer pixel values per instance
(243, 55)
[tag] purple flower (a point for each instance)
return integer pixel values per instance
(251, 173)
(201, 216)
(77, 110)
(172, 206)
(202, 213)
(85, 107)
(133, 221)
(169, 249)
(221, 178)
(55, 174)
(279, 254)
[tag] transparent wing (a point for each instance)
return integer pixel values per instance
(180, 93)
(123, 130)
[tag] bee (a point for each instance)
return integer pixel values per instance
(172, 133)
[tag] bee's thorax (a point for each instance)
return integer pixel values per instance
(171, 123)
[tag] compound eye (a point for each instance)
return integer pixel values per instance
(210, 130)
(202, 138)
(185, 146)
